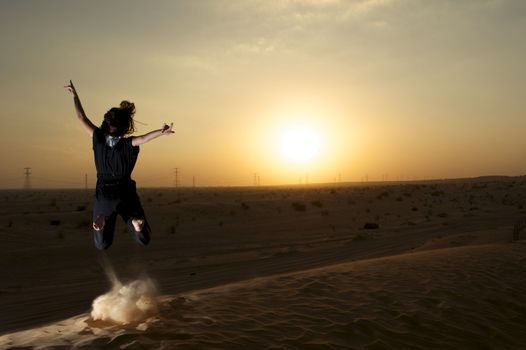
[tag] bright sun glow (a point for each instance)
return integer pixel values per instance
(300, 145)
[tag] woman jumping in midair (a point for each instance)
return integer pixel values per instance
(115, 157)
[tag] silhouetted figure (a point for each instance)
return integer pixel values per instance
(115, 157)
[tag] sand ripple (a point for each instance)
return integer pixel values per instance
(456, 298)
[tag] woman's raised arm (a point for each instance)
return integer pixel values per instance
(165, 130)
(84, 120)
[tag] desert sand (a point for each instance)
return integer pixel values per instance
(274, 268)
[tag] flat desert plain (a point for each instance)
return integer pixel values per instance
(424, 265)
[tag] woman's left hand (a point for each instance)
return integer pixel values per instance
(167, 129)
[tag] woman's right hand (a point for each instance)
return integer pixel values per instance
(71, 89)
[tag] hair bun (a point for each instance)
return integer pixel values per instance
(130, 106)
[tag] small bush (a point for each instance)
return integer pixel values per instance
(299, 206)
(382, 195)
(371, 226)
(316, 204)
(55, 222)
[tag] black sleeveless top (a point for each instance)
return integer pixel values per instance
(114, 164)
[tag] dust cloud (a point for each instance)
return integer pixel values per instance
(126, 302)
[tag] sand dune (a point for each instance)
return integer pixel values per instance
(272, 268)
(455, 298)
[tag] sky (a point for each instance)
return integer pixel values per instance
(383, 89)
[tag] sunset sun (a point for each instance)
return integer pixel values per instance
(299, 145)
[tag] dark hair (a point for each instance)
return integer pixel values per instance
(118, 121)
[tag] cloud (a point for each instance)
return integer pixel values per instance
(186, 61)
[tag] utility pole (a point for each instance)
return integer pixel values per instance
(176, 177)
(193, 181)
(27, 180)
(86, 182)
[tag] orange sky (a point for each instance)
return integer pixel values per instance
(411, 89)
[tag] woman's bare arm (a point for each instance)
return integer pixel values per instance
(165, 130)
(84, 120)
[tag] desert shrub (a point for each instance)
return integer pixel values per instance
(299, 206)
(81, 207)
(382, 195)
(371, 226)
(479, 186)
(55, 222)
(316, 204)
(245, 206)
